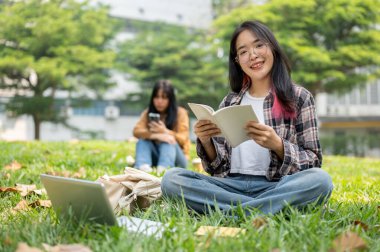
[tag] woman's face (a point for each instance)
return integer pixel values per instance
(161, 101)
(255, 57)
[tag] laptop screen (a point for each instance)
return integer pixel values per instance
(81, 199)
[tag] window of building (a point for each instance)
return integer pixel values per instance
(354, 96)
(342, 99)
(95, 109)
(374, 93)
(331, 99)
(363, 96)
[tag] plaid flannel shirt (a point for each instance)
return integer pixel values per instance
(302, 149)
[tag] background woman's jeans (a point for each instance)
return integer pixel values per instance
(159, 154)
(200, 191)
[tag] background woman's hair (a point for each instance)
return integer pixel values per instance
(284, 96)
(171, 111)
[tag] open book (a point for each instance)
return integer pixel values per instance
(230, 120)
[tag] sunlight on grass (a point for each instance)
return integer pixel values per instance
(355, 197)
(355, 179)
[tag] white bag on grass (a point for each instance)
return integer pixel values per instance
(131, 190)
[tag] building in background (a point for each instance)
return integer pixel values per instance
(189, 13)
(350, 123)
(110, 119)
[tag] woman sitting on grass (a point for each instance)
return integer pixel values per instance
(280, 166)
(163, 142)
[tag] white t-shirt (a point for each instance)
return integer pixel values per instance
(249, 157)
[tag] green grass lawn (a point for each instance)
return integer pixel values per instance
(356, 197)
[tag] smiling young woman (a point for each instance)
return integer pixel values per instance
(280, 166)
(256, 61)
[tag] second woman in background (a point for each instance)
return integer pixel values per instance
(166, 142)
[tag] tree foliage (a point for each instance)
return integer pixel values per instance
(333, 45)
(179, 54)
(223, 7)
(52, 45)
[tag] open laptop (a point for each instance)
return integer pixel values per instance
(87, 200)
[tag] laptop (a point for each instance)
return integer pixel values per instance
(88, 201)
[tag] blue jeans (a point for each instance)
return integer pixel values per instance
(201, 191)
(159, 154)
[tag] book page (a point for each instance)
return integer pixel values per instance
(202, 112)
(145, 227)
(232, 121)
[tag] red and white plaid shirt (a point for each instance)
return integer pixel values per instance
(302, 149)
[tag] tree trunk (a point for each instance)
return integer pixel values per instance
(37, 124)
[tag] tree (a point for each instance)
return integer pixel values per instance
(223, 7)
(161, 51)
(333, 45)
(52, 45)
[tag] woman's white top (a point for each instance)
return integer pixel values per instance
(249, 157)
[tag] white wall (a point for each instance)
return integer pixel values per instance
(14, 129)
(22, 128)
(364, 101)
(192, 13)
(117, 130)
(344, 109)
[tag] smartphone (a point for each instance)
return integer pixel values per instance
(154, 117)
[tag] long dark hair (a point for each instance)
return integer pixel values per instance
(171, 111)
(284, 96)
